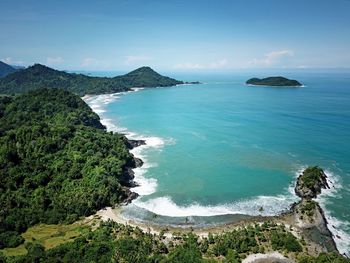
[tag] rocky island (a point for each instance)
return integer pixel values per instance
(274, 81)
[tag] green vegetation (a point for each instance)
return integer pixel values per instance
(311, 176)
(122, 243)
(6, 69)
(274, 81)
(50, 236)
(40, 76)
(284, 241)
(308, 207)
(57, 162)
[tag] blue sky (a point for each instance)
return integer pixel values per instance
(176, 35)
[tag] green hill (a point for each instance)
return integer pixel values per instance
(57, 162)
(274, 81)
(40, 76)
(6, 69)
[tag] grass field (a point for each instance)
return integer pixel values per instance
(51, 235)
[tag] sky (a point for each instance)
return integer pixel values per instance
(176, 35)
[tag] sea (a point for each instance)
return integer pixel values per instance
(222, 150)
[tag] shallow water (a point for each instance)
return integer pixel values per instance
(224, 148)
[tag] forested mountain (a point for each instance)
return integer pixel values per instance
(40, 76)
(57, 162)
(6, 69)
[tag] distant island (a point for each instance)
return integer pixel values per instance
(6, 69)
(40, 76)
(274, 81)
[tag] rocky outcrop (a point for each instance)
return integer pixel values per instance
(129, 196)
(128, 175)
(311, 182)
(308, 214)
(131, 144)
(138, 162)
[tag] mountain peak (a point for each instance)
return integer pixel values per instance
(6, 69)
(143, 70)
(38, 66)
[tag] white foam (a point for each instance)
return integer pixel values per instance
(271, 205)
(146, 186)
(137, 89)
(339, 229)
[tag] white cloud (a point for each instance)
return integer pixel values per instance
(54, 60)
(272, 58)
(135, 59)
(94, 63)
(10, 61)
(222, 63)
(188, 65)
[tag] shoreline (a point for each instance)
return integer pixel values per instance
(288, 219)
(108, 213)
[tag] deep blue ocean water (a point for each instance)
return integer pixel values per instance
(224, 148)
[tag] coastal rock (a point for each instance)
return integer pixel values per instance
(310, 182)
(138, 162)
(131, 144)
(307, 213)
(313, 223)
(130, 196)
(127, 178)
(274, 81)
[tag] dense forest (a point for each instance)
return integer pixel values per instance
(57, 162)
(40, 76)
(112, 242)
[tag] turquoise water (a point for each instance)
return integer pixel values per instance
(224, 148)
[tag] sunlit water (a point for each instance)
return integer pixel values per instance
(223, 148)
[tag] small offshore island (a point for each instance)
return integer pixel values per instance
(274, 81)
(61, 172)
